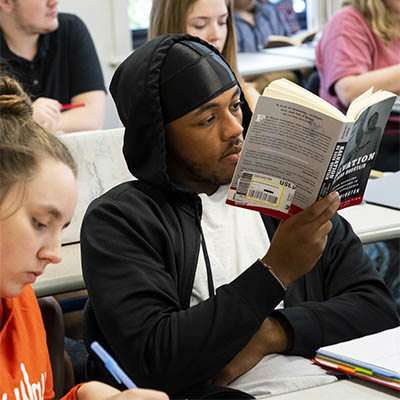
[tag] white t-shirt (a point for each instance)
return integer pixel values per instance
(235, 238)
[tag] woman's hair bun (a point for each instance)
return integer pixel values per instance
(13, 100)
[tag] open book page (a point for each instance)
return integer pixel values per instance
(289, 147)
(294, 40)
(379, 352)
(287, 90)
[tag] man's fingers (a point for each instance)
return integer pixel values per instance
(322, 210)
(326, 215)
(325, 228)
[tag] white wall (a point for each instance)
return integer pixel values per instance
(319, 12)
(107, 21)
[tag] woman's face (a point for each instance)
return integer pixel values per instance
(30, 237)
(207, 19)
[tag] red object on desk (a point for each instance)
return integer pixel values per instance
(72, 105)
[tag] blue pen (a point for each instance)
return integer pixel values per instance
(115, 370)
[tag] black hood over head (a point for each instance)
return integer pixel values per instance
(157, 84)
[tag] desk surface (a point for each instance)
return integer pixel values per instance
(263, 62)
(306, 51)
(373, 223)
(347, 389)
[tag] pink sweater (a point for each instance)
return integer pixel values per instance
(349, 47)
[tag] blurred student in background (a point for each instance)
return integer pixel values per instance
(53, 56)
(285, 7)
(210, 20)
(360, 48)
(38, 194)
(254, 22)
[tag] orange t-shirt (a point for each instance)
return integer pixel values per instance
(25, 370)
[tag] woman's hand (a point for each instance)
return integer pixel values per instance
(100, 391)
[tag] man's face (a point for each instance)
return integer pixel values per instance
(35, 16)
(203, 146)
(372, 121)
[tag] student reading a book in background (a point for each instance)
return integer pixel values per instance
(210, 20)
(200, 291)
(38, 193)
(360, 48)
(285, 8)
(254, 23)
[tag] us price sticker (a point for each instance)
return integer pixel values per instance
(265, 191)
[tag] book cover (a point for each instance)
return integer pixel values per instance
(298, 148)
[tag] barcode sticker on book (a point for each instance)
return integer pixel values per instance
(264, 191)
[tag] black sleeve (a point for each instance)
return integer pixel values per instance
(342, 298)
(130, 269)
(85, 70)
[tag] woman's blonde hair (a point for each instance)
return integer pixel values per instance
(169, 16)
(379, 17)
(23, 142)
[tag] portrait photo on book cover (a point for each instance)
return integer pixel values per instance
(361, 151)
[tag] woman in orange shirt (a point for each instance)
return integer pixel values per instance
(38, 193)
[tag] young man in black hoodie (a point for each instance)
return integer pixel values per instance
(188, 293)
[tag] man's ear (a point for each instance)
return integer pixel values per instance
(7, 5)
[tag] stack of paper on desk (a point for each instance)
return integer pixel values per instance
(373, 357)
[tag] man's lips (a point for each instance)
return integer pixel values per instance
(233, 151)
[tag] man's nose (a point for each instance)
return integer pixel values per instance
(232, 127)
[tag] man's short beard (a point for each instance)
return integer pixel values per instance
(197, 172)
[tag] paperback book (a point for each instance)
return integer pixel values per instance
(299, 148)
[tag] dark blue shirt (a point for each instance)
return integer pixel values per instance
(267, 21)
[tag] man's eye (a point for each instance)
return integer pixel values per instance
(211, 119)
(207, 121)
(238, 105)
